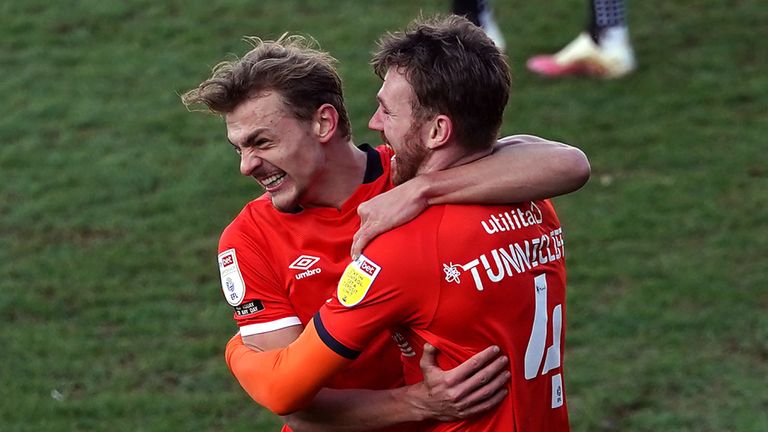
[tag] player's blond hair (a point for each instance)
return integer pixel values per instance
(293, 66)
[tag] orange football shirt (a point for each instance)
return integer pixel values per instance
(463, 278)
(277, 269)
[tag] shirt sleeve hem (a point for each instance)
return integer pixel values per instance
(331, 342)
(253, 329)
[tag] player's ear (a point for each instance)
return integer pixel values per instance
(440, 131)
(325, 122)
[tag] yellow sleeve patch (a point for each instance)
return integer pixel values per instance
(356, 281)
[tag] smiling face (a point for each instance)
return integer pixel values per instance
(275, 148)
(394, 119)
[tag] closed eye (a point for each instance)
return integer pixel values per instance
(256, 141)
(383, 106)
(236, 148)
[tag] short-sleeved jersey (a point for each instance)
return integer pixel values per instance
(277, 269)
(463, 278)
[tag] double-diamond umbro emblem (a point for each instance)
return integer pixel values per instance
(305, 262)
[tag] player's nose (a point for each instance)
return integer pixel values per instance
(249, 163)
(376, 123)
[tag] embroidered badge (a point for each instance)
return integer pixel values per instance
(231, 279)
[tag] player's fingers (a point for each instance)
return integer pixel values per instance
(363, 214)
(485, 401)
(362, 237)
(368, 231)
(488, 388)
(356, 249)
(486, 379)
(428, 358)
(476, 362)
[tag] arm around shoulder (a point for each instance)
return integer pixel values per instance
(521, 168)
(569, 161)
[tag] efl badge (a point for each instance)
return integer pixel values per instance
(356, 280)
(231, 280)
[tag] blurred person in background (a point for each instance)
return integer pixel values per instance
(603, 50)
(440, 108)
(481, 15)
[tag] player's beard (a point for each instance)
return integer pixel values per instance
(410, 157)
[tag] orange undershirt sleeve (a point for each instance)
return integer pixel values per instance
(284, 380)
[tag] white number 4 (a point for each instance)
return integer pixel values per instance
(534, 354)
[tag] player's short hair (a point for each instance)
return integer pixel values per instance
(292, 66)
(454, 69)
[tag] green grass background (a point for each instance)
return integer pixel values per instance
(112, 197)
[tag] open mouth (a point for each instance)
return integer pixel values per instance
(272, 181)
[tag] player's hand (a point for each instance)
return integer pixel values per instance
(387, 211)
(471, 388)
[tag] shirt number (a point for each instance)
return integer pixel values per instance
(534, 354)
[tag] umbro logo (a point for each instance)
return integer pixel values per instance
(305, 262)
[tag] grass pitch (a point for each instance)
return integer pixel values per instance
(112, 197)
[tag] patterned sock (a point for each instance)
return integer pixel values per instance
(605, 14)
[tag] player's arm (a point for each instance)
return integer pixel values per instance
(347, 410)
(280, 380)
(273, 340)
(521, 168)
(473, 387)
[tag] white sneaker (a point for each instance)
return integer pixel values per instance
(613, 58)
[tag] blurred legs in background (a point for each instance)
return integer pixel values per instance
(603, 50)
(480, 13)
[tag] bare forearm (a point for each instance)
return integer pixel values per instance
(356, 410)
(522, 168)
